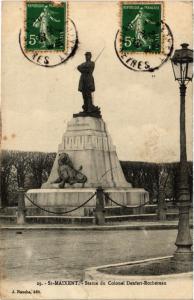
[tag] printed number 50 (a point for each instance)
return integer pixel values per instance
(32, 40)
(127, 42)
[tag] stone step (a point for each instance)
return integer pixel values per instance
(133, 210)
(89, 211)
(81, 220)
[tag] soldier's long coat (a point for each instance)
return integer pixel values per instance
(86, 82)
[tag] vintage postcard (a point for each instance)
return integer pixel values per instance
(96, 150)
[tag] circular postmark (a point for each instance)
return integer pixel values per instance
(146, 61)
(50, 58)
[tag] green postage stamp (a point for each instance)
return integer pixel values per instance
(46, 24)
(141, 26)
(48, 37)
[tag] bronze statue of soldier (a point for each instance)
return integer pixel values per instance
(87, 87)
(86, 82)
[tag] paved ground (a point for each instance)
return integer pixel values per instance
(39, 254)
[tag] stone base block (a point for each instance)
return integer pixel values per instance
(58, 200)
(88, 144)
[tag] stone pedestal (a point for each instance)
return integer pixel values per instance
(88, 144)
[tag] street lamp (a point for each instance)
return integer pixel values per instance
(182, 67)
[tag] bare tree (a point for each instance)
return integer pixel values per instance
(7, 160)
(21, 164)
(40, 165)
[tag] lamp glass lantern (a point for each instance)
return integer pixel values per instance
(182, 62)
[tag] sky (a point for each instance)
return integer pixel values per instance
(141, 110)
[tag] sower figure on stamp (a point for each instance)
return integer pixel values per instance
(42, 22)
(138, 24)
(87, 86)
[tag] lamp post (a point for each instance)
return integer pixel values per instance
(182, 67)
